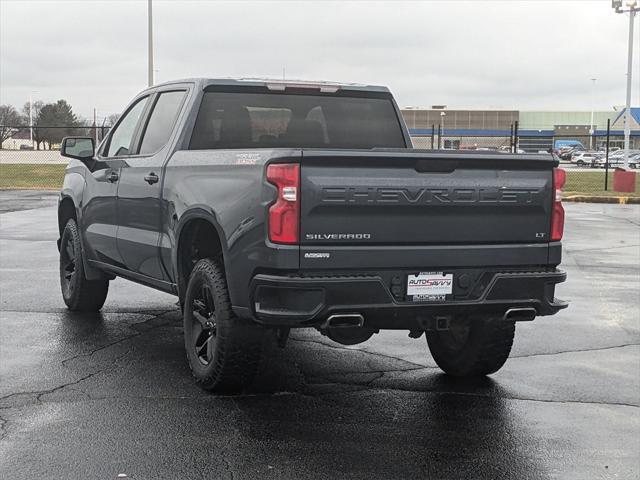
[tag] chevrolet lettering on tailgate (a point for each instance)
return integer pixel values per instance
(408, 196)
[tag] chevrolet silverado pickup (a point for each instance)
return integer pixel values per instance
(271, 205)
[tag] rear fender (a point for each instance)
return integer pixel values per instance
(197, 212)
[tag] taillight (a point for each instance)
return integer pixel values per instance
(557, 212)
(284, 215)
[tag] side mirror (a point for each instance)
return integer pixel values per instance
(80, 148)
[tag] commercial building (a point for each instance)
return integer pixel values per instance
(536, 130)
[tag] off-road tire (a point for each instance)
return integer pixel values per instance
(237, 345)
(80, 294)
(482, 351)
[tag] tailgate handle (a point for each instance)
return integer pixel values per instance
(441, 166)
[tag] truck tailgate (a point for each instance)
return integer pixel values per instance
(413, 197)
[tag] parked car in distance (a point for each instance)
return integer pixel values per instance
(614, 153)
(584, 158)
(567, 151)
(617, 160)
(503, 149)
(266, 205)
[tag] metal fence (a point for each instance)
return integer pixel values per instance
(45, 137)
(589, 160)
(30, 158)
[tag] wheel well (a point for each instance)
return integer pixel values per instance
(198, 239)
(66, 211)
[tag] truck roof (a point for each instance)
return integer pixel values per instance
(279, 84)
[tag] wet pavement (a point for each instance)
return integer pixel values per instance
(15, 200)
(93, 396)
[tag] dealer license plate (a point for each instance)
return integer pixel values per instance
(430, 286)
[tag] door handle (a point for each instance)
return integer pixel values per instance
(113, 177)
(151, 178)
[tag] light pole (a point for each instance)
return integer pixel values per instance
(31, 117)
(150, 40)
(633, 7)
(442, 115)
(593, 88)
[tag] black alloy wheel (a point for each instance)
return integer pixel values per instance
(203, 324)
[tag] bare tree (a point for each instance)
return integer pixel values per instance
(112, 119)
(9, 119)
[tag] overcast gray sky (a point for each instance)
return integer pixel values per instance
(502, 54)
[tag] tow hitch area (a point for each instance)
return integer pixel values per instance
(429, 324)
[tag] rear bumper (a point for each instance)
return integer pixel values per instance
(299, 301)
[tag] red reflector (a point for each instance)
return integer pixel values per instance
(284, 215)
(557, 221)
(557, 211)
(559, 178)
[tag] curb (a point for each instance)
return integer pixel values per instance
(595, 199)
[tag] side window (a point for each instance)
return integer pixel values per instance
(122, 136)
(162, 120)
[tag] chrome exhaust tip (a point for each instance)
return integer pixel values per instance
(344, 320)
(520, 314)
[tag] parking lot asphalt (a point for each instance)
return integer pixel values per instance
(94, 396)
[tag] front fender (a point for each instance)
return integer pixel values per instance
(72, 190)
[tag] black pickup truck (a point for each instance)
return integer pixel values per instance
(270, 205)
